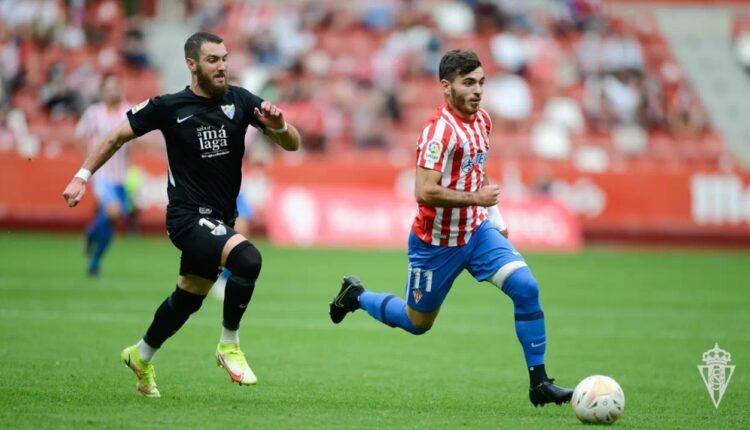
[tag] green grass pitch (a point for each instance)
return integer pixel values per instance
(643, 317)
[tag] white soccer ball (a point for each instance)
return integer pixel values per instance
(598, 399)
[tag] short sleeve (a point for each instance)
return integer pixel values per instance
(250, 102)
(433, 145)
(147, 115)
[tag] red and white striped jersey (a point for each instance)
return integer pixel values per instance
(95, 123)
(457, 148)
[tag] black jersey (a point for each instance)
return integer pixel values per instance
(205, 144)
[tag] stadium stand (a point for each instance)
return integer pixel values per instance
(371, 70)
(580, 86)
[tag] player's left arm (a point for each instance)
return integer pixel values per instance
(277, 128)
(494, 214)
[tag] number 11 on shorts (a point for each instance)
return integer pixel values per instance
(415, 277)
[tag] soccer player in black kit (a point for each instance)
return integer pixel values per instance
(204, 127)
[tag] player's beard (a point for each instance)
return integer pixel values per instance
(206, 83)
(462, 104)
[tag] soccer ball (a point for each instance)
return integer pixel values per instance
(598, 399)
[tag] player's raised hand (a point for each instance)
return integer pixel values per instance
(270, 115)
(74, 191)
(487, 195)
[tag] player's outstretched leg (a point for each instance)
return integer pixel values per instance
(523, 289)
(386, 308)
(244, 263)
(98, 237)
(169, 317)
(90, 237)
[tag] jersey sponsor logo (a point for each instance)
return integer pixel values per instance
(228, 110)
(469, 163)
(204, 211)
(213, 142)
(433, 150)
(139, 106)
(181, 120)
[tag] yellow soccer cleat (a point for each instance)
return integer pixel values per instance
(230, 357)
(143, 371)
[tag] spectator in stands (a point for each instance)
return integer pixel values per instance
(14, 132)
(453, 18)
(57, 97)
(39, 17)
(565, 112)
(510, 51)
(622, 96)
(588, 51)
(380, 16)
(583, 13)
(621, 51)
(10, 62)
(134, 49)
(368, 117)
(685, 115)
(653, 100)
(208, 13)
(509, 97)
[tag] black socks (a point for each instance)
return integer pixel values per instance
(171, 315)
(537, 375)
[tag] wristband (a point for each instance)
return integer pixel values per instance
(280, 130)
(496, 218)
(84, 174)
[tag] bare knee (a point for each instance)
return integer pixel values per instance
(422, 321)
(194, 284)
(113, 211)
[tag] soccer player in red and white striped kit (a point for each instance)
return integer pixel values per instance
(109, 183)
(458, 226)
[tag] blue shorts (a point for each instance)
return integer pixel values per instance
(244, 211)
(108, 192)
(432, 269)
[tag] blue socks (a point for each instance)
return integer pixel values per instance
(389, 310)
(523, 289)
(100, 232)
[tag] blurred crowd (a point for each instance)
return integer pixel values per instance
(362, 74)
(54, 54)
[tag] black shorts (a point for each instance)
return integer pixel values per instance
(201, 238)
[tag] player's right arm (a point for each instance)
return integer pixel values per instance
(428, 191)
(102, 152)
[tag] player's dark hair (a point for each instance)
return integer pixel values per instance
(193, 43)
(457, 62)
